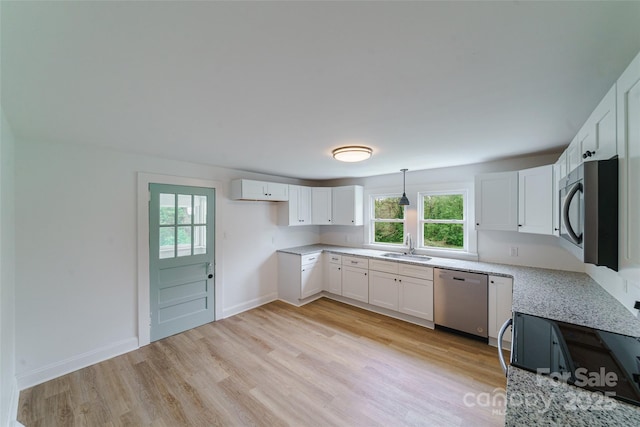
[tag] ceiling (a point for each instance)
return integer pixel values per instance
(273, 87)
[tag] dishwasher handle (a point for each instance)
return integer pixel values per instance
(446, 276)
(503, 329)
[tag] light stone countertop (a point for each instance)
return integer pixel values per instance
(559, 295)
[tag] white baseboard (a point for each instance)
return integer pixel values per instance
(254, 303)
(54, 370)
(11, 417)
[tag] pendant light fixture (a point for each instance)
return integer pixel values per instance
(404, 201)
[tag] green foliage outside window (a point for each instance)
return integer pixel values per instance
(445, 214)
(389, 209)
(450, 236)
(389, 232)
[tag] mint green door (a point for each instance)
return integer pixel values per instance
(181, 258)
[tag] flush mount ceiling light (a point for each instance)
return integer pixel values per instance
(352, 153)
(404, 201)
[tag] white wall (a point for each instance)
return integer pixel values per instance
(492, 246)
(76, 264)
(8, 385)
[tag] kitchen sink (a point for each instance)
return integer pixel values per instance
(413, 257)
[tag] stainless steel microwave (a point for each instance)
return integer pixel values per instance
(589, 212)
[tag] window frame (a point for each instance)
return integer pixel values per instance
(464, 221)
(373, 220)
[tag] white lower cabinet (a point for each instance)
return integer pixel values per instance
(311, 276)
(500, 300)
(416, 297)
(384, 290)
(411, 295)
(355, 278)
(333, 282)
(299, 276)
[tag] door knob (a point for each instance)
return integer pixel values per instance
(209, 272)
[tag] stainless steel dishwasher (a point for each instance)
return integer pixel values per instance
(460, 301)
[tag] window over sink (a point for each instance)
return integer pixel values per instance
(387, 220)
(442, 220)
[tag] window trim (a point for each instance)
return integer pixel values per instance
(465, 219)
(373, 220)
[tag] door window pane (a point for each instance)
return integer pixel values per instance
(184, 209)
(184, 241)
(167, 242)
(200, 239)
(167, 209)
(199, 209)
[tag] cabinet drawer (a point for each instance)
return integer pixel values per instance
(310, 258)
(386, 266)
(355, 262)
(335, 259)
(415, 271)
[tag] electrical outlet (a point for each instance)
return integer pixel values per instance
(513, 251)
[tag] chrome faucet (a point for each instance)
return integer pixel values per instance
(409, 242)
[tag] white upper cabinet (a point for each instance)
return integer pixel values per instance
(321, 212)
(596, 140)
(246, 189)
(598, 135)
(299, 206)
(628, 121)
(347, 205)
(573, 154)
(535, 200)
(555, 195)
(562, 166)
(496, 200)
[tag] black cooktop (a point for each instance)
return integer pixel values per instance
(585, 357)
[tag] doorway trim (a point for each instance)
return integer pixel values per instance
(144, 309)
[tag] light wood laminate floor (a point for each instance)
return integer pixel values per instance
(324, 364)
